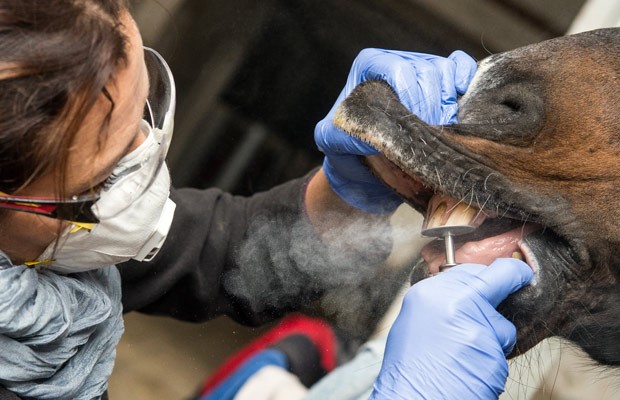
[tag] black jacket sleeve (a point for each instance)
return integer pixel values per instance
(5, 394)
(249, 258)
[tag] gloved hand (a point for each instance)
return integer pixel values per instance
(449, 341)
(426, 84)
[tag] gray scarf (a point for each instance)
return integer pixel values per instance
(58, 334)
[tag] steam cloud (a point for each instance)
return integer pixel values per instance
(283, 264)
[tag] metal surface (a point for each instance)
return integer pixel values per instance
(447, 233)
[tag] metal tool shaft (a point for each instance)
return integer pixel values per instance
(449, 244)
(447, 233)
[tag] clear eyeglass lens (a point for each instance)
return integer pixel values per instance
(147, 159)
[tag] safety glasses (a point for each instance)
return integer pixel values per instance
(158, 116)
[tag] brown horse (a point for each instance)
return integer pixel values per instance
(534, 163)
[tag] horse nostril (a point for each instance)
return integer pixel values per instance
(512, 105)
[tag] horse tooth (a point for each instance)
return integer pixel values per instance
(518, 255)
(461, 214)
(445, 211)
(435, 217)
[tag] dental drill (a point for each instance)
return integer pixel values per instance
(447, 233)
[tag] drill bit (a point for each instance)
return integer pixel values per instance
(447, 233)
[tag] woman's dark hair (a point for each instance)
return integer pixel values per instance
(56, 56)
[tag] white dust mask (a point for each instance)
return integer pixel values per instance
(134, 230)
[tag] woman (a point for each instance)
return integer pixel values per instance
(86, 121)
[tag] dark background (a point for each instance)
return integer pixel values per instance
(254, 77)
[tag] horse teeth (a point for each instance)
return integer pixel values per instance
(444, 211)
(436, 217)
(462, 214)
(518, 255)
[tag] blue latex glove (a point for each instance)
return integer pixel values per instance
(426, 84)
(449, 341)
